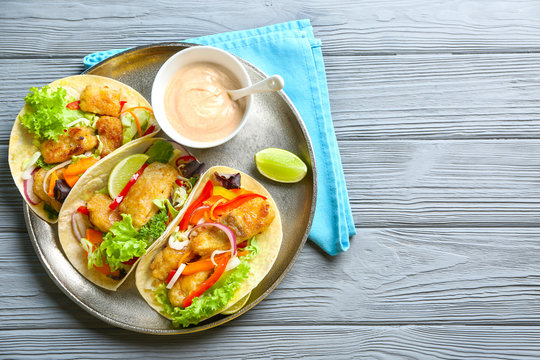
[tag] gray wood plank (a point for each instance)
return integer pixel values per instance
(378, 97)
(56, 29)
(253, 342)
(389, 276)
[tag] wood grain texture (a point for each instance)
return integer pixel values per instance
(321, 342)
(378, 97)
(60, 29)
(389, 276)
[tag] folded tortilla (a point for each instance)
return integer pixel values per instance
(268, 243)
(96, 178)
(21, 142)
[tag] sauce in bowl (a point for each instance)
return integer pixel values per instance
(197, 104)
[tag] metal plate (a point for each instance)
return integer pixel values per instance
(274, 122)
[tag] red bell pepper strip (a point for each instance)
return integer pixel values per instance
(126, 188)
(122, 103)
(149, 130)
(205, 194)
(234, 203)
(83, 210)
(73, 105)
(179, 182)
(185, 159)
(207, 284)
(198, 214)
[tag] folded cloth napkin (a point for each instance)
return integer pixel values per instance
(292, 51)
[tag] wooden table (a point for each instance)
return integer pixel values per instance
(436, 106)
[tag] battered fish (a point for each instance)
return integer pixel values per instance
(75, 141)
(100, 100)
(185, 285)
(110, 133)
(156, 182)
(100, 213)
(39, 177)
(247, 220)
(165, 261)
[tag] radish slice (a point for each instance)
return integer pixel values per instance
(176, 276)
(29, 191)
(226, 230)
(45, 181)
(78, 225)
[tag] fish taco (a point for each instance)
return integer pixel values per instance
(65, 128)
(122, 206)
(217, 252)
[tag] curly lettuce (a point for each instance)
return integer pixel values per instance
(47, 115)
(212, 301)
(123, 242)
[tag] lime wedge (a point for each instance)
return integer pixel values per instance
(280, 165)
(123, 171)
(237, 306)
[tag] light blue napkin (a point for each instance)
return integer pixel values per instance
(292, 51)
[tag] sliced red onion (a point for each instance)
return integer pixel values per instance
(217, 252)
(176, 276)
(45, 181)
(78, 225)
(29, 190)
(226, 230)
(233, 262)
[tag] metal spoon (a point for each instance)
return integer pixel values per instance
(272, 83)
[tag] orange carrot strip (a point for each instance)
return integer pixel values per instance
(52, 183)
(94, 236)
(184, 257)
(80, 166)
(71, 180)
(207, 264)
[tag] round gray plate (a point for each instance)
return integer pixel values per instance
(274, 122)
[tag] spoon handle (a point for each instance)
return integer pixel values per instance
(272, 83)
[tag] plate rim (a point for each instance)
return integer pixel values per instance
(178, 331)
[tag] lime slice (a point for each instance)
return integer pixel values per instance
(123, 171)
(237, 306)
(280, 165)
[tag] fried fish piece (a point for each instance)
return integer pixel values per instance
(247, 220)
(165, 261)
(75, 141)
(208, 239)
(100, 100)
(185, 285)
(39, 177)
(110, 133)
(156, 182)
(100, 213)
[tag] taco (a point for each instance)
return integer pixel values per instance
(122, 206)
(65, 128)
(220, 249)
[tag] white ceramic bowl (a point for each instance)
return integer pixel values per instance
(185, 57)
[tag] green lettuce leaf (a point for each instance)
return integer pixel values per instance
(122, 243)
(48, 116)
(161, 151)
(213, 300)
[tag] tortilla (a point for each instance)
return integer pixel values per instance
(21, 142)
(268, 242)
(91, 181)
